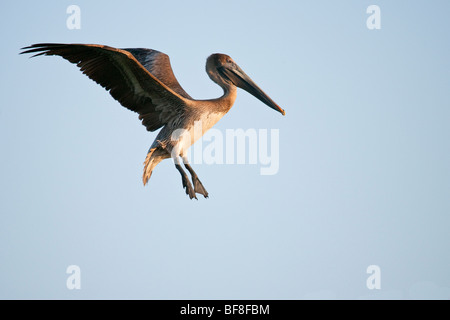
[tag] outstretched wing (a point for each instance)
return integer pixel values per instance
(158, 64)
(126, 79)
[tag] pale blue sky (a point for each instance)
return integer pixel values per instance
(364, 176)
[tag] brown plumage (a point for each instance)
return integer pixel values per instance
(142, 81)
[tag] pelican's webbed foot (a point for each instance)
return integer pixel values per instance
(186, 183)
(198, 186)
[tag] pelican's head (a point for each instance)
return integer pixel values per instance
(225, 72)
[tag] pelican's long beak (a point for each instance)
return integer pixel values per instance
(238, 77)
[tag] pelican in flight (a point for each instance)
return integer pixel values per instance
(142, 81)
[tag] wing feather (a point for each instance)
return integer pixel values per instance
(157, 97)
(158, 64)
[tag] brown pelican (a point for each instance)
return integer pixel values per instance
(142, 80)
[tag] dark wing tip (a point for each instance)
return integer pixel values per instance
(39, 48)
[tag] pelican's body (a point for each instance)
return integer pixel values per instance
(142, 80)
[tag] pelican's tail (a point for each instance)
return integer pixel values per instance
(152, 159)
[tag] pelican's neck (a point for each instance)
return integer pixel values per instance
(229, 93)
(226, 101)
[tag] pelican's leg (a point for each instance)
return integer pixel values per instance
(184, 178)
(198, 186)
